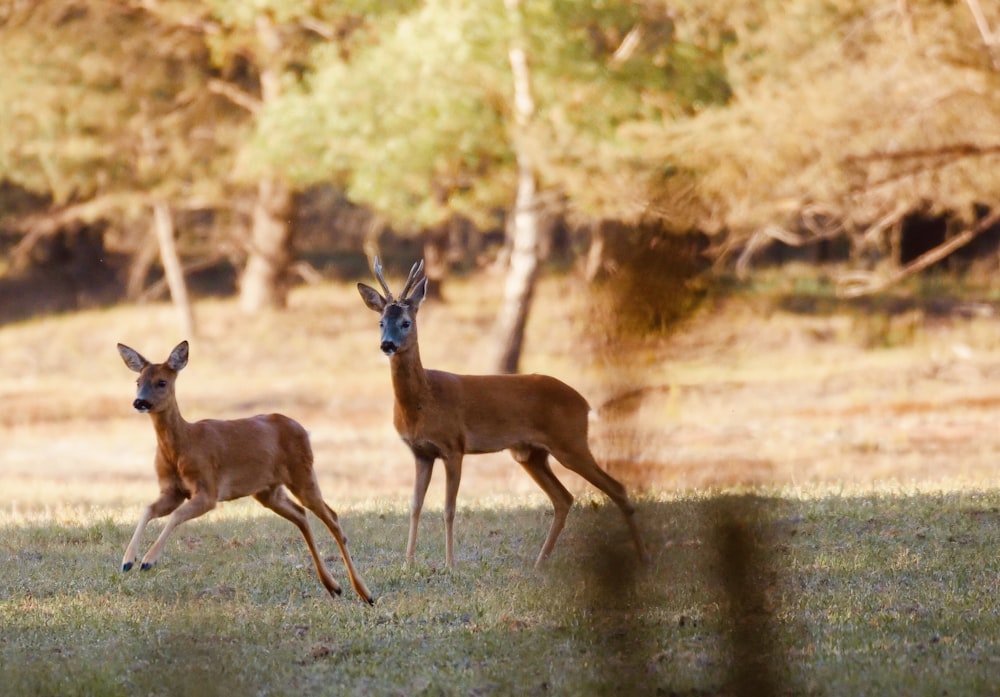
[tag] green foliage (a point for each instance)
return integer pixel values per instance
(100, 99)
(736, 118)
(848, 111)
(418, 123)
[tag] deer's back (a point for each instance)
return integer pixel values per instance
(502, 411)
(269, 447)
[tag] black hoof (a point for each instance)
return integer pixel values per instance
(127, 566)
(370, 601)
(145, 567)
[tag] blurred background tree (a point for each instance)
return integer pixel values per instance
(477, 110)
(758, 125)
(846, 118)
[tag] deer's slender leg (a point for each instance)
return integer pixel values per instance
(312, 498)
(581, 461)
(453, 477)
(357, 582)
(536, 464)
(167, 503)
(276, 500)
(425, 465)
(199, 504)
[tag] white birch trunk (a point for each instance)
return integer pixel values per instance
(523, 269)
(163, 226)
(264, 281)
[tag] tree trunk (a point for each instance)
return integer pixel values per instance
(437, 257)
(522, 273)
(163, 225)
(264, 283)
(265, 279)
(523, 269)
(139, 266)
(596, 261)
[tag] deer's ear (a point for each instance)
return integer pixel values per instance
(179, 356)
(373, 299)
(133, 359)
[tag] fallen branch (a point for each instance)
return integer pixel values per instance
(955, 150)
(158, 289)
(856, 284)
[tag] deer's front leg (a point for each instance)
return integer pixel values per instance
(197, 505)
(453, 475)
(167, 503)
(425, 465)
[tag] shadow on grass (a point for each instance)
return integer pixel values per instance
(721, 558)
(746, 595)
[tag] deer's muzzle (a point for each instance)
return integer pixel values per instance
(142, 405)
(389, 347)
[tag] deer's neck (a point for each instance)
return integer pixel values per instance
(409, 381)
(171, 431)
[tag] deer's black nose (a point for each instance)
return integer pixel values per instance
(142, 405)
(389, 347)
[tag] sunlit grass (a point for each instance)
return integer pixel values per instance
(862, 484)
(875, 594)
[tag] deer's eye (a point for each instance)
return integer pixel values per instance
(405, 324)
(381, 324)
(161, 383)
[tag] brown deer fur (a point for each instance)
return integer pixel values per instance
(201, 463)
(443, 415)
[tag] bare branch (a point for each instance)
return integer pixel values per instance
(990, 40)
(38, 226)
(235, 95)
(955, 150)
(321, 29)
(628, 46)
(191, 22)
(855, 285)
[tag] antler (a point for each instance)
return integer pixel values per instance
(381, 279)
(416, 275)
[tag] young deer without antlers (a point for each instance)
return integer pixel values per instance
(199, 464)
(443, 415)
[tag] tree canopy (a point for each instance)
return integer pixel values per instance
(748, 121)
(417, 123)
(849, 114)
(100, 101)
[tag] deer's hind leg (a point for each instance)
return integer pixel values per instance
(581, 461)
(277, 500)
(312, 498)
(535, 461)
(453, 476)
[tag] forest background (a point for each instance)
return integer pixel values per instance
(761, 237)
(257, 144)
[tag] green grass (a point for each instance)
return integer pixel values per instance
(769, 444)
(833, 595)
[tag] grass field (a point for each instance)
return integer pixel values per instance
(823, 515)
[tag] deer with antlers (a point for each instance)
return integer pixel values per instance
(446, 416)
(199, 464)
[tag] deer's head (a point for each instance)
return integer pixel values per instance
(155, 386)
(398, 315)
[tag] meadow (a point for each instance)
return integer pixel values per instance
(818, 490)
